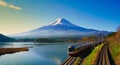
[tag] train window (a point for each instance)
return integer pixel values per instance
(71, 49)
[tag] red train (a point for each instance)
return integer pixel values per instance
(75, 49)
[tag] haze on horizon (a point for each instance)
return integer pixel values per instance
(22, 15)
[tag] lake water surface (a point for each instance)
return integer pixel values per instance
(38, 54)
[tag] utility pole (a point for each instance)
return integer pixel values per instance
(100, 37)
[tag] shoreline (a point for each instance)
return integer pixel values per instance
(12, 50)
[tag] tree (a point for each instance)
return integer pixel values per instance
(88, 39)
(118, 28)
(115, 37)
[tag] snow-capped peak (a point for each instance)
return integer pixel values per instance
(61, 21)
(60, 28)
(58, 21)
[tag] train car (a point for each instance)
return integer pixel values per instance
(74, 49)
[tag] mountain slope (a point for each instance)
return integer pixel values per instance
(4, 38)
(63, 25)
(60, 28)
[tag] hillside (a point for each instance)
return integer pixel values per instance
(4, 38)
(114, 46)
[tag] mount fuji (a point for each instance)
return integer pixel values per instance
(60, 28)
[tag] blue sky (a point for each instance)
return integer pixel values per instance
(25, 15)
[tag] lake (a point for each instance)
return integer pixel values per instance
(38, 54)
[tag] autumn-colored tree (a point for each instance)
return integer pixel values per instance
(88, 39)
(115, 37)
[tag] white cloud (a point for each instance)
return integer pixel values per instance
(14, 7)
(5, 4)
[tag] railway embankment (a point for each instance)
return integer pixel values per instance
(103, 57)
(91, 58)
(115, 52)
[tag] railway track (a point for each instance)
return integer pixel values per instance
(80, 53)
(69, 61)
(103, 58)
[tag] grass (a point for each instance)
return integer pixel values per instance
(114, 48)
(90, 59)
(77, 61)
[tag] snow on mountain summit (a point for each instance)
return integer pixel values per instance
(61, 21)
